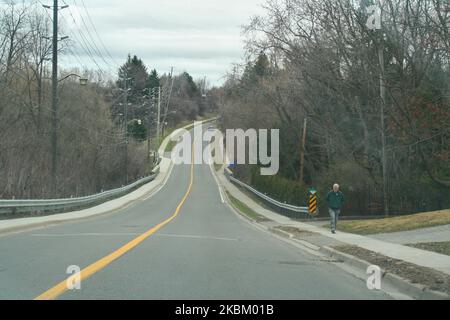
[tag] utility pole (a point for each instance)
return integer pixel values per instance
(126, 130)
(158, 127)
(383, 132)
(383, 104)
(166, 111)
(125, 118)
(55, 98)
(55, 111)
(151, 96)
(204, 88)
(303, 151)
(149, 125)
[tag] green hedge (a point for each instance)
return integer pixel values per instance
(417, 194)
(280, 189)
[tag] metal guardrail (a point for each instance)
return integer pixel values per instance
(14, 207)
(283, 208)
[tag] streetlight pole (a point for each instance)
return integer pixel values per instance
(83, 81)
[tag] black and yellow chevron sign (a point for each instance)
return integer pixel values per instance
(313, 204)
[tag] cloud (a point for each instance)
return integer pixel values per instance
(202, 37)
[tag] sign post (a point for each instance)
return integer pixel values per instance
(313, 202)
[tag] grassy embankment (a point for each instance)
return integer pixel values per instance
(245, 210)
(396, 224)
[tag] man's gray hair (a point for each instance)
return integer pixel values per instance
(336, 186)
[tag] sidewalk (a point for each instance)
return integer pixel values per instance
(415, 256)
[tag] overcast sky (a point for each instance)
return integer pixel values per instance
(202, 37)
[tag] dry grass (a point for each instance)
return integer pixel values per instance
(245, 210)
(439, 247)
(396, 224)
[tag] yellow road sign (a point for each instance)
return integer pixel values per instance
(313, 204)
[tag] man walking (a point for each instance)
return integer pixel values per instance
(335, 200)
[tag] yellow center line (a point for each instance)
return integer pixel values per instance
(84, 274)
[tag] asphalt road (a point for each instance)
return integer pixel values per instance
(206, 252)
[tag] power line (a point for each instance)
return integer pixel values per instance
(93, 42)
(84, 43)
(96, 32)
(77, 57)
(112, 67)
(79, 43)
(71, 33)
(40, 5)
(444, 131)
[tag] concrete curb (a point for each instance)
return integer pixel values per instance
(415, 291)
(292, 237)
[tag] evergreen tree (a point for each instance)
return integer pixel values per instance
(262, 65)
(192, 89)
(153, 80)
(136, 72)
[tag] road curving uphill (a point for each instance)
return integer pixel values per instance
(114, 200)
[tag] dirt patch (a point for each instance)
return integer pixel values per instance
(432, 279)
(296, 232)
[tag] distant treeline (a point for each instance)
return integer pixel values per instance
(92, 136)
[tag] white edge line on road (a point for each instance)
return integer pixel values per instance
(158, 189)
(211, 167)
(195, 237)
(166, 235)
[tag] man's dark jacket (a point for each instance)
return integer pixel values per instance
(335, 200)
